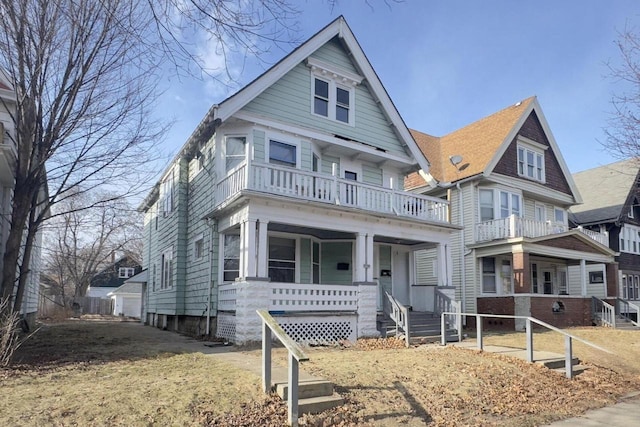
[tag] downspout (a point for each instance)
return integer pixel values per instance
(210, 280)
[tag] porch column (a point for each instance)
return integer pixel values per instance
(612, 279)
(248, 248)
(443, 272)
(369, 273)
(358, 268)
(583, 277)
(521, 272)
(263, 268)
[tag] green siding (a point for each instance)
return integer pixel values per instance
(332, 253)
(305, 156)
(289, 100)
(327, 164)
(259, 146)
(371, 174)
(305, 261)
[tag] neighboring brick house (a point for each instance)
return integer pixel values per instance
(509, 187)
(611, 204)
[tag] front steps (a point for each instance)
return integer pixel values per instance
(314, 396)
(424, 328)
(625, 324)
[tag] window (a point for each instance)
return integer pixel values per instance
(630, 239)
(351, 190)
(534, 278)
(563, 288)
(198, 248)
(321, 98)
(540, 213)
(624, 287)
(282, 154)
(559, 215)
(342, 105)
(166, 269)
(332, 101)
(153, 278)
(506, 276)
(489, 275)
(282, 260)
(235, 151)
(636, 285)
(125, 272)
(168, 193)
(531, 163)
(231, 263)
(547, 282)
(503, 202)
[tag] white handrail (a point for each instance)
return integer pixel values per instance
(568, 360)
(400, 315)
(605, 311)
(444, 303)
(630, 306)
(295, 355)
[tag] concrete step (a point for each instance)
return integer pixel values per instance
(557, 363)
(306, 389)
(314, 405)
(577, 369)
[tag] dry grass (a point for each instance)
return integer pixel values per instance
(117, 374)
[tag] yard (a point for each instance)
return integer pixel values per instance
(123, 374)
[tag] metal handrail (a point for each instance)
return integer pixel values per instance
(295, 355)
(568, 347)
(400, 315)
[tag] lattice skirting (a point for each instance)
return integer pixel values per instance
(226, 326)
(319, 329)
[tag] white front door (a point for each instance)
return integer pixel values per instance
(400, 275)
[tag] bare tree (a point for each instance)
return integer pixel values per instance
(623, 133)
(85, 76)
(81, 242)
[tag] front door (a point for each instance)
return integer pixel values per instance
(400, 275)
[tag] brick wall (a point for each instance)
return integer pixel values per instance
(577, 311)
(495, 305)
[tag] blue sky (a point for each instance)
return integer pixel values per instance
(447, 63)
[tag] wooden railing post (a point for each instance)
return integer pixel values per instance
(479, 333)
(293, 391)
(568, 356)
(529, 341)
(266, 358)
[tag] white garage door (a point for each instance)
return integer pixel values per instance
(131, 306)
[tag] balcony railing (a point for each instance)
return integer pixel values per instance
(515, 226)
(330, 189)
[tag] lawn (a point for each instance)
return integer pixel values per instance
(118, 374)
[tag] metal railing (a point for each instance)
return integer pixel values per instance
(603, 312)
(568, 343)
(400, 316)
(625, 308)
(295, 355)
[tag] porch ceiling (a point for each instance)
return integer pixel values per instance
(324, 234)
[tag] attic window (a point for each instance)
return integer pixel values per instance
(125, 272)
(333, 91)
(531, 163)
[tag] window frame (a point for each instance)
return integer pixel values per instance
(537, 166)
(166, 269)
(497, 207)
(283, 141)
(487, 274)
(168, 193)
(126, 272)
(198, 248)
(294, 262)
(223, 255)
(242, 158)
(332, 101)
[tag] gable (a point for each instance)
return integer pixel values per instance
(290, 100)
(571, 243)
(532, 129)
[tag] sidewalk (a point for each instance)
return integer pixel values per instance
(625, 413)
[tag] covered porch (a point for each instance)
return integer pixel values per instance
(322, 273)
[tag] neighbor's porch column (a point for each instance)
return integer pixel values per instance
(263, 261)
(248, 249)
(521, 272)
(583, 277)
(612, 279)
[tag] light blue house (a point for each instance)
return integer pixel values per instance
(289, 197)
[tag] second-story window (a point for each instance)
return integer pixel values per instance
(168, 193)
(235, 151)
(531, 163)
(495, 204)
(283, 154)
(166, 272)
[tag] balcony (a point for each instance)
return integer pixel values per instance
(515, 226)
(329, 190)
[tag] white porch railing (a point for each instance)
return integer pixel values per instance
(306, 297)
(313, 186)
(515, 226)
(227, 297)
(603, 312)
(445, 304)
(626, 308)
(399, 314)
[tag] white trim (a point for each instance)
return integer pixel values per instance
(332, 99)
(538, 155)
(523, 140)
(535, 187)
(283, 139)
(322, 68)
